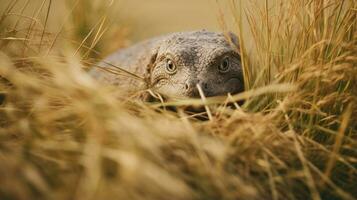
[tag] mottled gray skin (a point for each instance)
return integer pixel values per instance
(174, 64)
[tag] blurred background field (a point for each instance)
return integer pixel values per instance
(143, 18)
(136, 20)
(159, 17)
(63, 135)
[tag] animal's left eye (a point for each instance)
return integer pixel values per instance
(225, 65)
(170, 67)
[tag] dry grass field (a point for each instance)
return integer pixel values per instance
(65, 136)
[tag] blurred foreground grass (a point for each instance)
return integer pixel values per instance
(65, 136)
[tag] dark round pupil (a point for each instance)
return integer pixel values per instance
(225, 64)
(170, 65)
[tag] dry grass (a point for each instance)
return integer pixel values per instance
(64, 136)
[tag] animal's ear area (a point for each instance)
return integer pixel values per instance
(233, 40)
(150, 66)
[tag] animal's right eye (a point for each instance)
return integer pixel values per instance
(170, 66)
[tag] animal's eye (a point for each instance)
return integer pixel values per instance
(170, 67)
(225, 65)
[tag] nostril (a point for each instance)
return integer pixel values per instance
(187, 86)
(205, 86)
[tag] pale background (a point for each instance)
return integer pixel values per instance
(153, 17)
(143, 18)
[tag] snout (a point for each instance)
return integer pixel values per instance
(213, 88)
(190, 89)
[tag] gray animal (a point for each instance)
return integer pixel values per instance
(173, 65)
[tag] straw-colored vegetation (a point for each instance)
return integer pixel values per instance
(65, 136)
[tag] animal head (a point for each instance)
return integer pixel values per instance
(184, 60)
